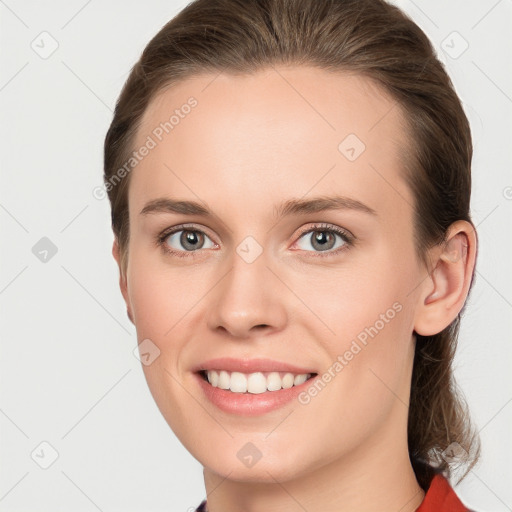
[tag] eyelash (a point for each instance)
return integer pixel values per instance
(347, 237)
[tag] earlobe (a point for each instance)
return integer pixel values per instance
(445, 291)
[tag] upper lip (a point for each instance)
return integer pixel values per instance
(250, 366)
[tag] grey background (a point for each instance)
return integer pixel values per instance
(68, 373)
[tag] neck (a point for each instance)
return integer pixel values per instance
(375, 477)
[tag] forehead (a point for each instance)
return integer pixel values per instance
(280, 132)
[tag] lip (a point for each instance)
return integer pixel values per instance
(232, 364)
(250, 404)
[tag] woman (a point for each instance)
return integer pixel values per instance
(290, 187)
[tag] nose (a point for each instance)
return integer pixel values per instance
(247, 300)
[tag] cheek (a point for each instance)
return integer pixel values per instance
(357, 300)
(369, 313)
(161, 298)
(160, 295)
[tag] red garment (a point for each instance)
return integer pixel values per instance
(440, 497)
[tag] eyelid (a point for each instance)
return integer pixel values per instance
(166, 233)
(322, 226)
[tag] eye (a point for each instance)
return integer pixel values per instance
(325, 239)
(186, 241)
(180, 241)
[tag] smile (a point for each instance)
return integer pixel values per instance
(256, 383)
(251, 394)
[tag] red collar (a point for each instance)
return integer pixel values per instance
(440, 497)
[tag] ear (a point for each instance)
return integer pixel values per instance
(444, 292)
(123, 284)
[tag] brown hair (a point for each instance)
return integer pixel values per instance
(378, 41)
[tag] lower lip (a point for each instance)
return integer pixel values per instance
(250, 404)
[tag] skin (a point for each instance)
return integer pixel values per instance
(252, 142)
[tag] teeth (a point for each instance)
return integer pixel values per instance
(258, 382)
(238, 382)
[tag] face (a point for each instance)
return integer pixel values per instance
(302, 253)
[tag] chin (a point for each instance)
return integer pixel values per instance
(260, 473)
(248, 464)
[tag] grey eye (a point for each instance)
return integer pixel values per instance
(190, 240)
(322, 240)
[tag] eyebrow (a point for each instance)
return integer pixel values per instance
(287, 208)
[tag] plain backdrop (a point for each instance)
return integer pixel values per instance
(73, 396)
